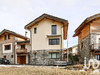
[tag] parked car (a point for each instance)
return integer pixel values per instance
(4, 61)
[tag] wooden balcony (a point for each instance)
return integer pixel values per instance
(95, 46)
(19, 50)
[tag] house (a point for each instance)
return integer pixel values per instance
(89, 38)
(73, 50)
(23, 52)
(12, 47)
(47, 33)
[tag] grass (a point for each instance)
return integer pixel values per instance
(29, 70)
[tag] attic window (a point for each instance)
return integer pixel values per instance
(5, 37)
(8, 36)
(35, 30)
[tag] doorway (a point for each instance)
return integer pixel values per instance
(21, 59)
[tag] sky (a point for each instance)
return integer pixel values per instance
(15, 14)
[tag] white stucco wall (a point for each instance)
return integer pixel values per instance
(97, 38)
(40, 40)
(74, 50)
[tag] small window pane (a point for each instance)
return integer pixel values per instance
(54, 29)
(5, 37)
(50, 55)
(8, 36)
(35, 55)
(22, 46)
(58, 55)
(53, 55)
(35, 30)
(53, 41)
(57, 41)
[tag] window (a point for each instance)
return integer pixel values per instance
(99, 40)
(5, 37)
(54, 29)
(81, 45)
(7, 47)
(54, 41)
(35, 30)
(8, 36)
(11, 56)
(54, 55)
(35, 55)
(99, 44)
(4, 56)
(22, 46)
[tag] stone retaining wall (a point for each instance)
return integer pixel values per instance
(42, 57)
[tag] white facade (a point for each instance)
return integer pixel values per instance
(40, 41)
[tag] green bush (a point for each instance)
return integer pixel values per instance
(76, 59)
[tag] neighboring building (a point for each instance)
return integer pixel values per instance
(46, 38)
(23, 52)
(73, 50)
(89, 37)
(10, 47)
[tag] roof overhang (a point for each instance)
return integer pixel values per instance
(50, 17)
(85, 22)
(13, 33)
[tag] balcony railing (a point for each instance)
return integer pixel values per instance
(95, 46)
(21, 50)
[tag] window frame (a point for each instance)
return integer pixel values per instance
(8, 36)
(81, 45)
(35, 30)
(5, 37)
(23, 46)
(35, 55)
(54, 32)
(51, 55)
(9, 48)
(55, 41)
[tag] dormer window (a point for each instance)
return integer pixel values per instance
(54, 29)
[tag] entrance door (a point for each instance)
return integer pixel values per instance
(21, 59)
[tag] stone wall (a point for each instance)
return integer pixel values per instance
(85, 50)
(93, 38)
(9, 56)
(42, 57)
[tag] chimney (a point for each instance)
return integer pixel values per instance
(25, 33)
